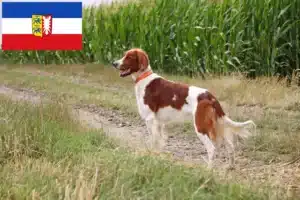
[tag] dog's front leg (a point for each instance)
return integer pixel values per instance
(152, 128)
(155, 136)
(163, 137)
(149, 123)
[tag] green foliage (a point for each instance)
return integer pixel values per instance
(190, 36)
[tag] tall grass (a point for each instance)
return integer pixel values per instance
(190, 36)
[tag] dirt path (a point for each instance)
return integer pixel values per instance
(181, 147)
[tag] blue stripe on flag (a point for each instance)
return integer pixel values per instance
(56, 9)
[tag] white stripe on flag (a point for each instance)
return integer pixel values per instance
(24, 26)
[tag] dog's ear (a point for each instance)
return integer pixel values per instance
(143, 60)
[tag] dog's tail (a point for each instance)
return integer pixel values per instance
(239, 128)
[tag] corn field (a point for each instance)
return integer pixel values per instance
(189, 36)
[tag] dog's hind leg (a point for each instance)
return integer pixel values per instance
(230, 147)
(206, 129)
(210, 149)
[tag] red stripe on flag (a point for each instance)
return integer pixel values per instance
(31, 42)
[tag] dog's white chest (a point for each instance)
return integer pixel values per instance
(140, 89)
(144, 110)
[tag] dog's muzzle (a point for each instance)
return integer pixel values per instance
(115, 64)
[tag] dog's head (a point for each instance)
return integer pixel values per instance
(134, 60)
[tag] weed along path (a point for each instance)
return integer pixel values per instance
(80, 93)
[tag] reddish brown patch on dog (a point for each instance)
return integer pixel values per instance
(161, 93)
(215, 103)
(205, 119)
(207, 113)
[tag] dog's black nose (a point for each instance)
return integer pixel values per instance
(115, 63)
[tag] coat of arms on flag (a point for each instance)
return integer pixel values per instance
(41, 25)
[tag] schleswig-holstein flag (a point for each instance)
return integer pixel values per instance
(42, 24)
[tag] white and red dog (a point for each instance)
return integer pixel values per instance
(160, 100)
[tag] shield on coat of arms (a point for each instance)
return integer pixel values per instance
(41, 25)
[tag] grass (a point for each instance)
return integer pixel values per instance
(191, 37)
(46, 154)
